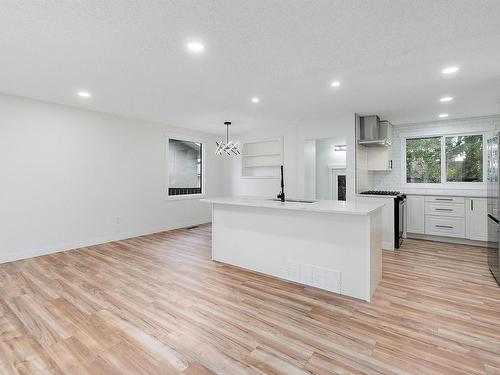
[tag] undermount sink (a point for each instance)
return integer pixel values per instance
(293, 200)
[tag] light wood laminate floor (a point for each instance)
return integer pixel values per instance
(158, 305)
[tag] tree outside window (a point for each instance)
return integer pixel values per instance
(423, 160)
(460, 157)
(464, 158)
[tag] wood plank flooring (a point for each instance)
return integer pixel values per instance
(158, 305)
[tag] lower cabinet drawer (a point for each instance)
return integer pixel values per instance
(445, 209)
(445, 226)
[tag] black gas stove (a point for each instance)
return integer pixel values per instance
(380, 192)
(399, 212)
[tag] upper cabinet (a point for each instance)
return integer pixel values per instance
(379, 159)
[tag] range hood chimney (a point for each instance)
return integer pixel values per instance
(373, 132)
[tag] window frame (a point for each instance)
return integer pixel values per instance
(184, 138)
(444, 183)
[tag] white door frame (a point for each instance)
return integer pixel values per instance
(335, 171)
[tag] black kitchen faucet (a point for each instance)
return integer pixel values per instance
(281, 195)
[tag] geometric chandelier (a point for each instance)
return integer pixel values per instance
(228, 147)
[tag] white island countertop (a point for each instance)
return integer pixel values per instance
(326, 206)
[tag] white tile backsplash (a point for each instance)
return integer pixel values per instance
(392, 180)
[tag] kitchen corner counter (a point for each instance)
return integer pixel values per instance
(325, 206)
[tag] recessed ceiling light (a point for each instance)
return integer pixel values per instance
(195, 47)
(84, 94)
(255, 100)
(445, 99)
(450, 70)
(335, 84)
(443, 115)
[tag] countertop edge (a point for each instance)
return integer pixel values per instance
(295, 207)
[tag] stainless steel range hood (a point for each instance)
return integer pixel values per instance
(373, 132)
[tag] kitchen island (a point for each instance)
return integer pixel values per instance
(331, 245)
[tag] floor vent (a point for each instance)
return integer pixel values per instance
(316, 276)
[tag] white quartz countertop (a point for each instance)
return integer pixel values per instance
(375, 196)
(335, 207)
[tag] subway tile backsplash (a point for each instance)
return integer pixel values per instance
(392, 180)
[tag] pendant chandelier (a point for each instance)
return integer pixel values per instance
(228, 147)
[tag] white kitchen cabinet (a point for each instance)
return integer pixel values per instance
(379, 158)
(445, 216)
(415, 214)
(444, 209)
(448, 226)
(476, 219)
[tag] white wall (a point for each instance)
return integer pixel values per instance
(340, 126)
(72, 177)
(392, 180)
(310, 169)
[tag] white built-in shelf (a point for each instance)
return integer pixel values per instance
(262, 158)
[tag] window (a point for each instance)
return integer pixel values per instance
(464, 158)
(444, 159)
(185, 165)
(423, 160)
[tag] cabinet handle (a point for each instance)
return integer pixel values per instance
(444, 226)
(472, 205)
(443, 209)
(444, 199)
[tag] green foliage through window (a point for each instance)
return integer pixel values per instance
(423, 160)
(463, 159)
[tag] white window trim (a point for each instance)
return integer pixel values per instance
(441, 185)
(181, 137)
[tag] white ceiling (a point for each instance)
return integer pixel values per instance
(131, 55)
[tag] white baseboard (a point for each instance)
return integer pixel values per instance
(388, 245)
(457, 240)
(18, 255)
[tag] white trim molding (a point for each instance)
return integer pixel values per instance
(203, 142)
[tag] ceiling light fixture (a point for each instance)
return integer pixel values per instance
(195, 47)
(84, 94)
(445, 99)
(335, 84)
(443, 115)
(340, 148)
(255, 100)
(450, 70)
(228, 147)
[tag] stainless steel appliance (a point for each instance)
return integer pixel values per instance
(493, 199)
(373, 132)
(399, 213)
